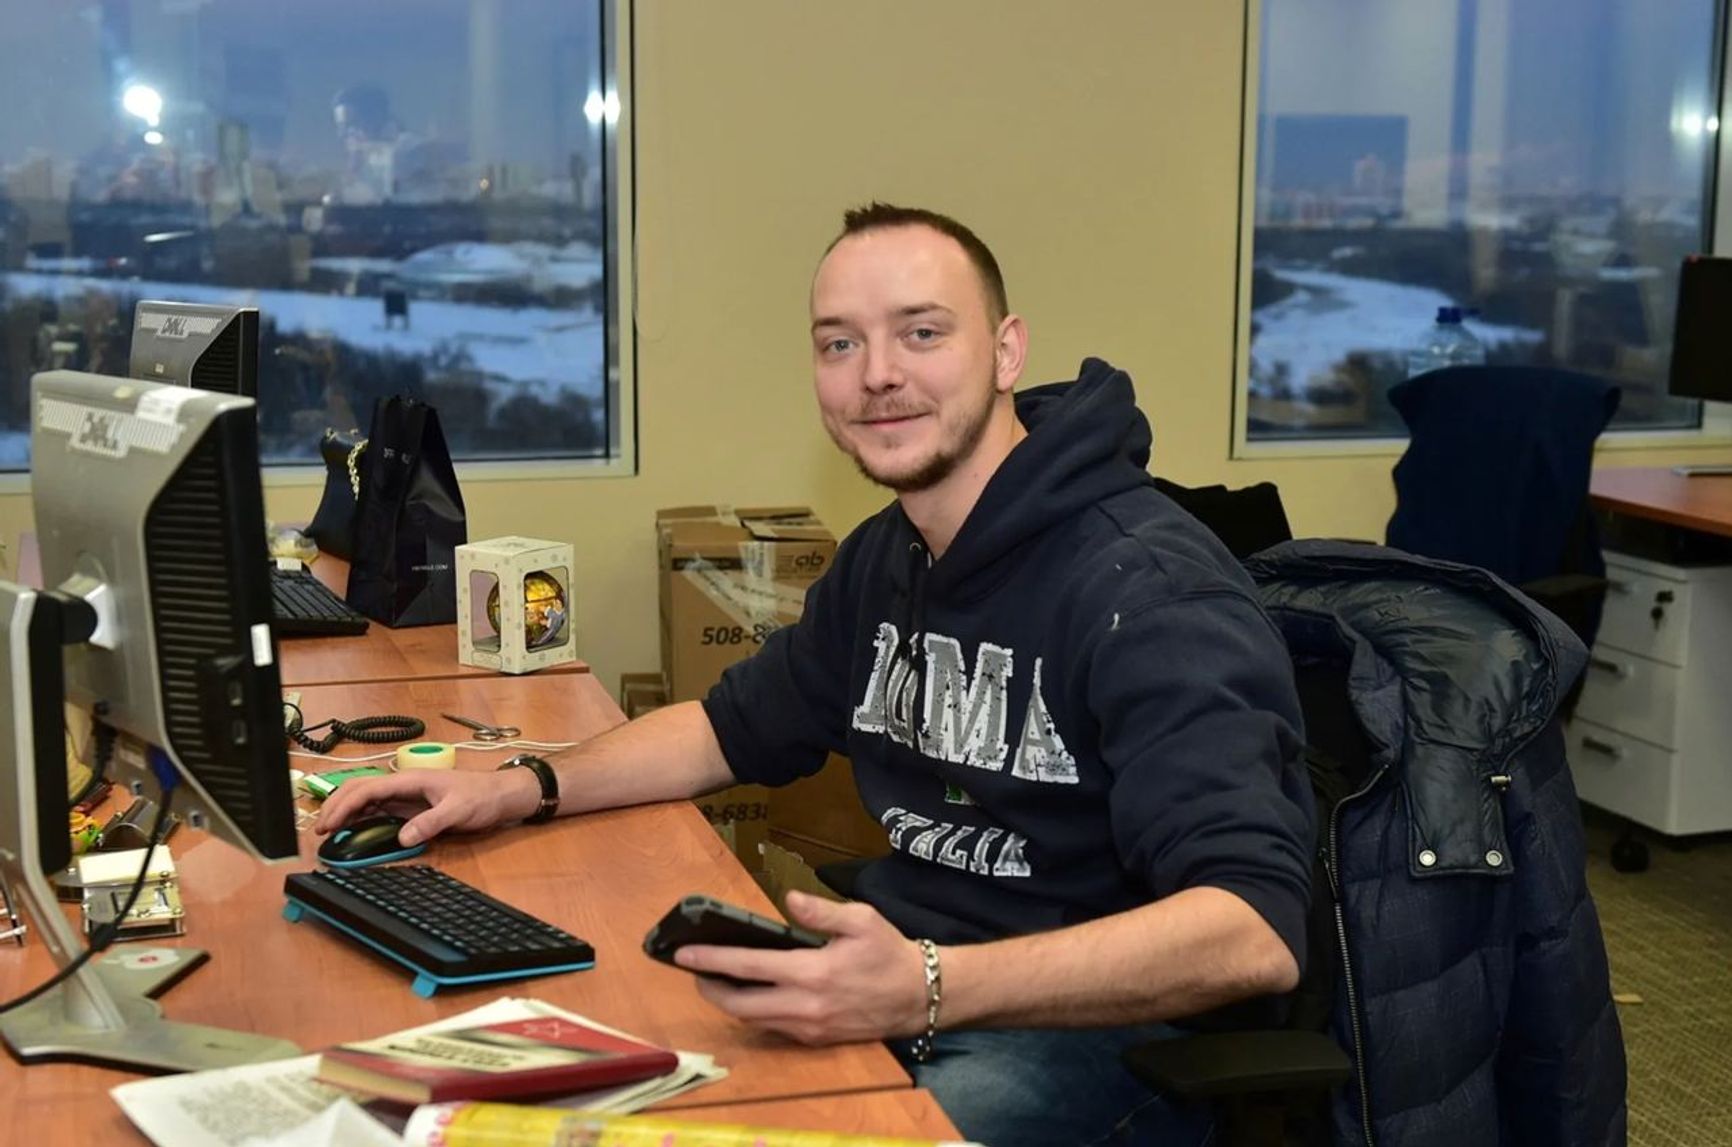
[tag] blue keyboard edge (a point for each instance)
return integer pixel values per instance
(302, 909)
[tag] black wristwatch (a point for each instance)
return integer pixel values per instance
(549, 785)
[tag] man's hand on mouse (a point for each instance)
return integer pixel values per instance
(434, 801)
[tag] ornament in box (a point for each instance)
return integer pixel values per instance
(514, 604)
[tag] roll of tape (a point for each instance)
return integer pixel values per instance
(427, 755)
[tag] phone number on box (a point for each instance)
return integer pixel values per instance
(729, 813)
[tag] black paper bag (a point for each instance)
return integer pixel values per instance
(408, 520)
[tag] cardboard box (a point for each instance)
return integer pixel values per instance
(811, 852)
(739, 813)
(728, 579)
(641, 692)
(825, 809)
(786, 871)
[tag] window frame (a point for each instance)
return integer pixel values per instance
(618, 158)
(1716, 427)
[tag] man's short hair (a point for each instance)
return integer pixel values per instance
(877, 216)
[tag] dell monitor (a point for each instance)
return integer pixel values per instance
(149, 509)
(200, 345)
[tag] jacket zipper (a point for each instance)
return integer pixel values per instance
(1347, 960)
(1353, 1016)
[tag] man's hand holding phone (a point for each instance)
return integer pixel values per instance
(867, 982)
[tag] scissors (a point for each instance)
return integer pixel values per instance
(486, 732)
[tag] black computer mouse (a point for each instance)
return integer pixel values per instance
(370, 841)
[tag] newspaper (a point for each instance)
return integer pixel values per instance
(282, 1104)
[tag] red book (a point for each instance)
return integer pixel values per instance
(516, 1059)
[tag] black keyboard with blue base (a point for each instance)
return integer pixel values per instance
(304, 606)
(445, 931)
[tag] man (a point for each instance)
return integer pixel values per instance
(1061, 700)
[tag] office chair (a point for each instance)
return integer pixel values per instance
(1268, 1066)
(1496, 475)
(1246, 520)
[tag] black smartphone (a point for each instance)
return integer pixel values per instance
(706, 920)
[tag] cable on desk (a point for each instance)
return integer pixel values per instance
(363, 730)
(105, 933)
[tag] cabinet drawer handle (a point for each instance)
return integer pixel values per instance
(1606, 747)
(1607, 665)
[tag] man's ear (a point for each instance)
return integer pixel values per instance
(1010, 353)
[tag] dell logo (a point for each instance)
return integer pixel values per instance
(99, 433)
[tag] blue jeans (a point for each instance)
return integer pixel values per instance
(1052, 1088)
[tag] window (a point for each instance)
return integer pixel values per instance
(418, 195)
(1545, 163)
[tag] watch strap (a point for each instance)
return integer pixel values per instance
(549, 785)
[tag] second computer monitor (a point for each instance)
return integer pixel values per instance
(148, 505)
(201, 345)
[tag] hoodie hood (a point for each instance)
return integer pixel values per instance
(1086, 442)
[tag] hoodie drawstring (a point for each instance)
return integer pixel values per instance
(918, 562)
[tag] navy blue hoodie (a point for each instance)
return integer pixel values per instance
(1078, 709)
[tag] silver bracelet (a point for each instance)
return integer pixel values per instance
(934, 997)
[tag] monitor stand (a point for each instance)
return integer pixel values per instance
(104, 1013)
(1702, 471)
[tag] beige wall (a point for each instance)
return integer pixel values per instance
(1095, 146)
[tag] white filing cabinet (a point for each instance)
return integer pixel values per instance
(1652, 734)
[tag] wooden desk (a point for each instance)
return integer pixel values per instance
(1703, 503)
(908, 1112)
(381, 654)
(606, 877)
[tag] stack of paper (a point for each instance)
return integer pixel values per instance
(281, 1104)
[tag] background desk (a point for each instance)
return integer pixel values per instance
(1703, 503)
(380, 654)
(605, 877)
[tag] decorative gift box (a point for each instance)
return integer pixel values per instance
(514, 604)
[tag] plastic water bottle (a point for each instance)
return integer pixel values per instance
(1445, 343)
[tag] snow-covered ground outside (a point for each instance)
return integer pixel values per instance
(539, 351)
(1330, 316)
(536, 266)
(533, 350)
(527, 264)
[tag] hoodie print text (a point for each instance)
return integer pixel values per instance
(963, 721)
